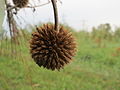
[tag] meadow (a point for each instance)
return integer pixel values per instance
(96, 65)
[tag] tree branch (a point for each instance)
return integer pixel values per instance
(14, 7)
(55, 13)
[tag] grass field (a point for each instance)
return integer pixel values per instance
(94, 68)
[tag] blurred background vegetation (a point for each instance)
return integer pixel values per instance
(1, 12)
(96, 65)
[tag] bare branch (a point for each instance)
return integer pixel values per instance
(55, 13)
(14, 7)
(38, 5)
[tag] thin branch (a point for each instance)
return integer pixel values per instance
(38, 5)
(55, 13)
(14, 7)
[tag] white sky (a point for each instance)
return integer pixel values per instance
(93, 12)
(79, 13)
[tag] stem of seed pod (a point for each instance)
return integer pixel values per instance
(55, 14)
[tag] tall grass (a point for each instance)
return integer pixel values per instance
(96, 65)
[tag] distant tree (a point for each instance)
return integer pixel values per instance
(117, 33)
(103, 31)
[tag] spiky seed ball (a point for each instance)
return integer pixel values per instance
(52, 49)
(20, 3)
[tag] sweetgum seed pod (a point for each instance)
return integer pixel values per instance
(21, 3)
(52, 49)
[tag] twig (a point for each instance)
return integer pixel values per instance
(38, 5)
(55, 13)
(9, 22)
(13, 7)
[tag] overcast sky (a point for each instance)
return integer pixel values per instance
(94, 12)
(78, 13)
(91, 12)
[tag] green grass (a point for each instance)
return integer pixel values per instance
(93, 68)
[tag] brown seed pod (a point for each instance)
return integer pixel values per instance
(52, 49)
(21, 3)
